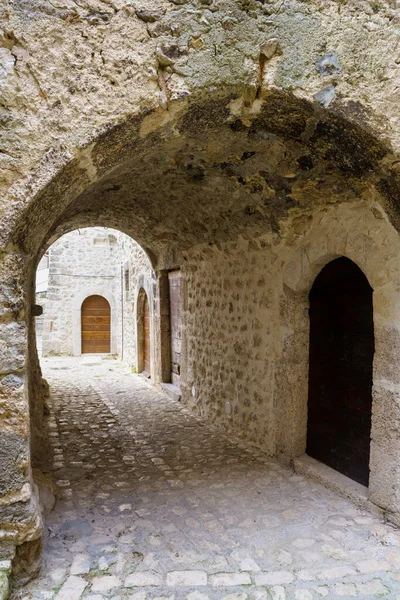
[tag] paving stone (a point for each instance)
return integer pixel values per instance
(186, 578)
(105, 583)
(345, 589)
(306, 575)
(103, 564)
(303, 595)
(80, 564)
(230, 579)
(322, 591)
(58, 575)
(248, 564)
(372, 565)
(119, 440)
(143, 579)
(274, 578)
(260, 594)
(336, 572)
(72, 589)
(372, 588)
(278, 592)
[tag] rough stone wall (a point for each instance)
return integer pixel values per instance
(88, 261)
(137, 264)
(232, 330)
(80, 263)
(20, 519)
(246, 328)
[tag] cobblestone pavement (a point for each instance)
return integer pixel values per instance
(156, 504)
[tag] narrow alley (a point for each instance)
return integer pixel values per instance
(155, 504)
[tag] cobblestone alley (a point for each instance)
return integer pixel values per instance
(155, 504)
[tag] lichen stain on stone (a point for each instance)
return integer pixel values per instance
(352, 148)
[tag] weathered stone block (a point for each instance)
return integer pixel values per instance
(4, 586)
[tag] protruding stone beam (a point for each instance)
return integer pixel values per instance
(36, 310)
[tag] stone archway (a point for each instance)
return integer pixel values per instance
(372, 245)
(229, 177)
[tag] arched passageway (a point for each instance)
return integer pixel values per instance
(226, 197)
(95, 325)
(340, 372)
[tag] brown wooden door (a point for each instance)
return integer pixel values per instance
(340, 376)
(95, 325)
(146, 335)
(175, 311)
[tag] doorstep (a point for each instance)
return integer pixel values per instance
(172, 390)
(335, 481)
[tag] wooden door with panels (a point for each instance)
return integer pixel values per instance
(96, 325)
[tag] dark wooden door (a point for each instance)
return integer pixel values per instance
(95, 325)
(175, 311)
(340, 375)
(146, 335)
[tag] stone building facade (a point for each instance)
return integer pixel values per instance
(244, 144)
(87, 262)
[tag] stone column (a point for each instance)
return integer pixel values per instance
(20, 520)
(291, 375)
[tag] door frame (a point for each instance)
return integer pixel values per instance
(144, 287)
(140, 303)
(175, 274)
(318, 297)
(77, 302)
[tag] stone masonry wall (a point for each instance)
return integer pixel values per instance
(138, 265)
(81, 262)
(92, 261)
(246, 333)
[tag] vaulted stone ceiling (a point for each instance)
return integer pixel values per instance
(210, 172)
(193, 121)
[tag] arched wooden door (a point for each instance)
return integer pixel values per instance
(95, 325)
(340, 375)
(146, 335)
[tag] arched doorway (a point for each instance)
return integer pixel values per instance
(143, 329)
(95, 325)
(340, 371)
